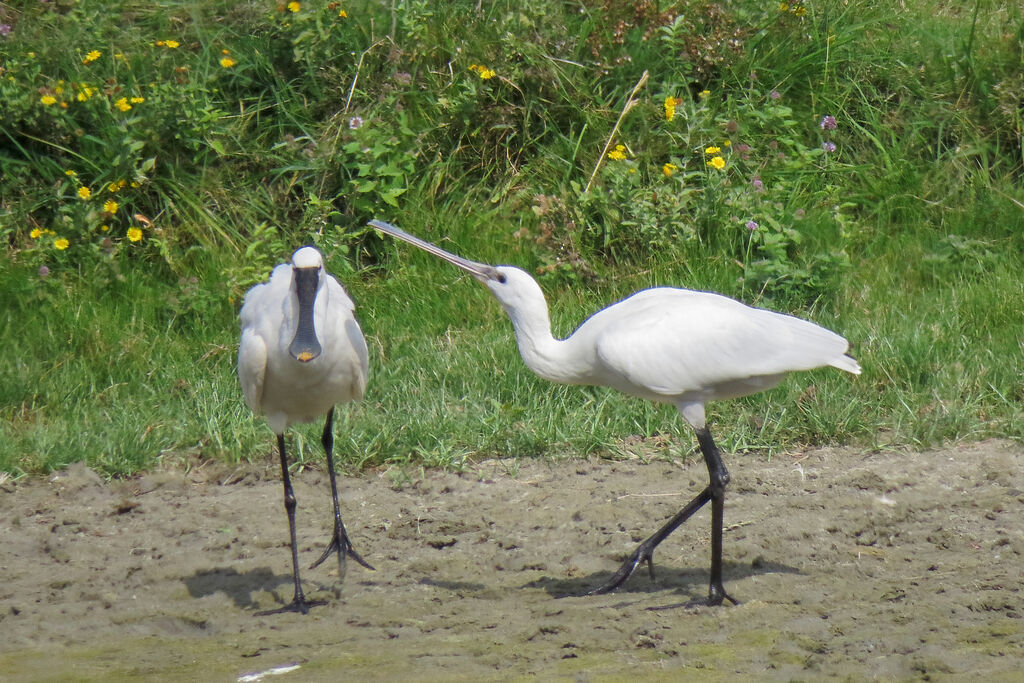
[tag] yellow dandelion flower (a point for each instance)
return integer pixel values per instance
(85, 92)
(48, 100)
(669, 169)
(137, 100)
(783, 6)
(122, 104)
(171, 44)
(799, 11)
(104, 228)
(227, 62)
(135, 234)
(36, 233)
(486, 73)
(225, 51)
(704, 94)
(670, 108)
(294, 7)
(61, 243)
(727, 143)
(618, 154)
(84, 192)
(92, 56)
(342, 13)
(717, 162)
(713, 150)
(69, 173)
(110, 206)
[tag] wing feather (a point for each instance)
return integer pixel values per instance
(675, 342)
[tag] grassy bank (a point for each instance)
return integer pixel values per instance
(853, 163)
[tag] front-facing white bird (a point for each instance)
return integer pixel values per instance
(667, 345)
(301, 353)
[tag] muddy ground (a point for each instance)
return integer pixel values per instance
(850, 564)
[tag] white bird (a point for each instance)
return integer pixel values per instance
(668, 345)
(301, 353)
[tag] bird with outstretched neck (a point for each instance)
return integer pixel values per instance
(668, 345)
(302, 353)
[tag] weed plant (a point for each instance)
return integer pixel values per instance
(856, 163)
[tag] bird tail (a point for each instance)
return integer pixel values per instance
(846, 363)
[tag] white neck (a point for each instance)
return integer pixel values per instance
(555, 360)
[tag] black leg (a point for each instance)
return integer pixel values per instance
(718, 477)
(299, 602)
(339, 541)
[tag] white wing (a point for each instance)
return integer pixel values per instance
(675, 342)
(252, 368)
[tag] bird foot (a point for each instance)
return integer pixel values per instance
(716, 596)
(341, 545)
(642, 554)
(299, 604)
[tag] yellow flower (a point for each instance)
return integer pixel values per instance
(783, 6)
(110, 206)
(704, 93)
(799, 11)
(104, 228)
(135, 234)
(670, 108)
(618, 154)
(84, 192)
(342, 13)
(712, 150)
(727, 143)
(171, 44)
(36, 232)
(227, 62)
(137, 100)
(92, 56)
(668, 169)
(122, 104)
(61, 243)
(48, 100)
(69, 173)
(294, 7)
(484, 72)
(85, 92)
(717, 162)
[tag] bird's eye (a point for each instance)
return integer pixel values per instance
(502, 278)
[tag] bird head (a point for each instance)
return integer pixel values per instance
(307, 265)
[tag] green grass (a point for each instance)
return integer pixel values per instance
(908, 239)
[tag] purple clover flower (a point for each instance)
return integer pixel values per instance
(828, 123)
(751, 225)
(758, 184)
(828, 146)
(774, 94)
(5, 30)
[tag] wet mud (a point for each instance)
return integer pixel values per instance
(848, 564)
